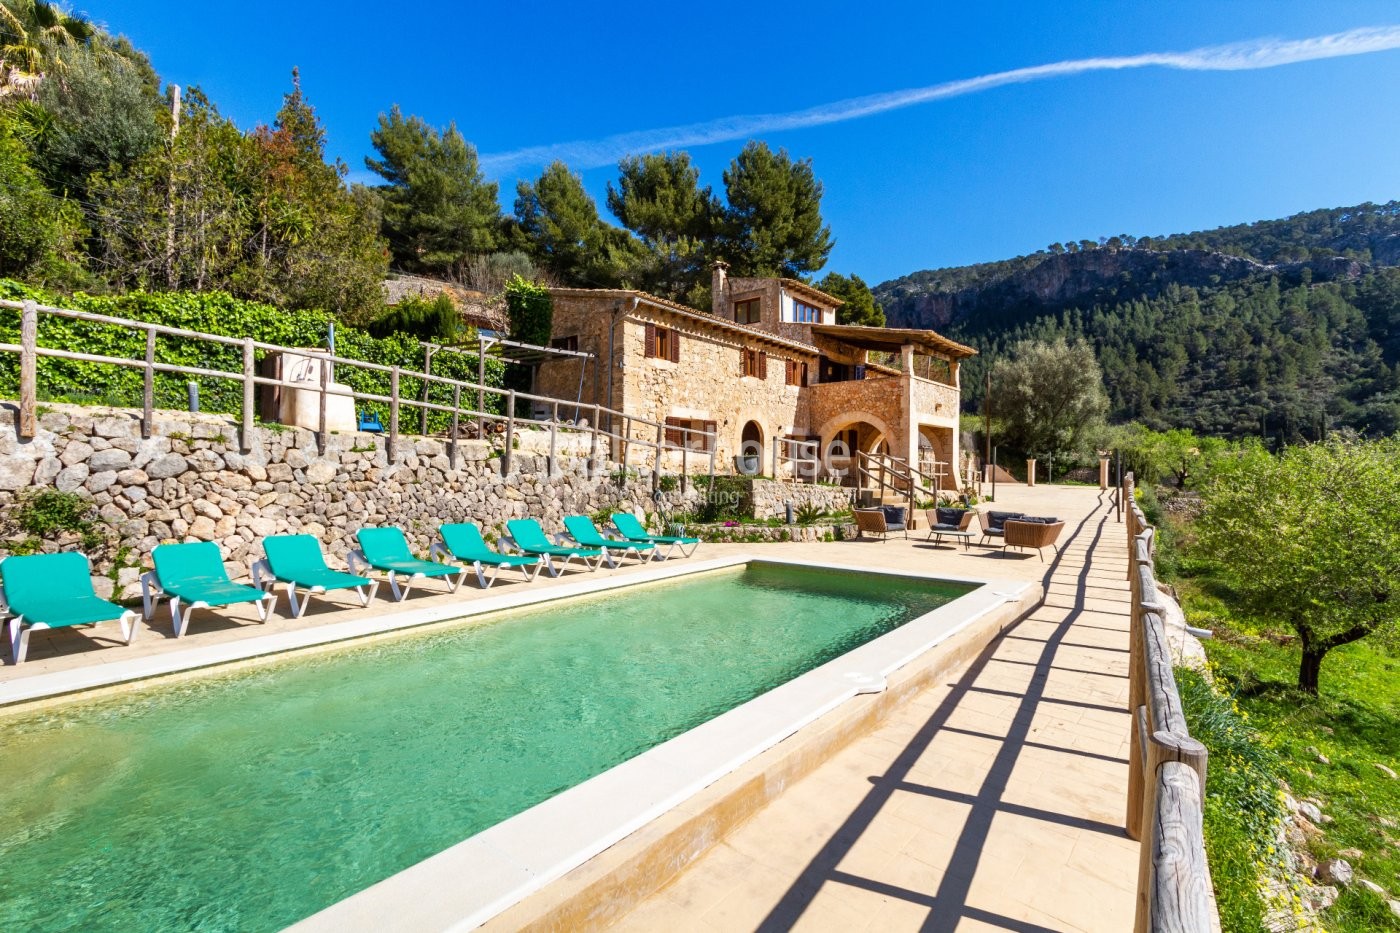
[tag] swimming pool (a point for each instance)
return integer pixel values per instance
(250, 800)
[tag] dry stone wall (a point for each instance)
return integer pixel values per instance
(190, 481)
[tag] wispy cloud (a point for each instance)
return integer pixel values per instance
(1241, 56)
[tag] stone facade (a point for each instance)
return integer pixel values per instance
(190, 481)
(708, 372)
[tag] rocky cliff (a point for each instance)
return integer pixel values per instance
(1046, 283)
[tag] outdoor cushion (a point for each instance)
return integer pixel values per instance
(950, 517)
(997, 519)
(532, 540)
(894, 516)
(297, 559)
(55, 590)
(195, 573)
(586, 533)
(387, 549)
(465, 543)
(633, 530)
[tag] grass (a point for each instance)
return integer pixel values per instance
(1354, 723)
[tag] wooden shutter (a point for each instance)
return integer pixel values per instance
(675, 346)
(651, 340)
(762, 364)
(710, 428)
(743, 362)
(673, 432)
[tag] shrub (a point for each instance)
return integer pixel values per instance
(1244, 812)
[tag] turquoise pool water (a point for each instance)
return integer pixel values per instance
(250, 800)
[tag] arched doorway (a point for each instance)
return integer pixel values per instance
(751, 439)
(749, 461)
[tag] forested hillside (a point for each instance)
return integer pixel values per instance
(1281, 328)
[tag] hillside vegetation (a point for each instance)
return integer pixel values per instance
(1282, 328)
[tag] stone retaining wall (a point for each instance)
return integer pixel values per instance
(768, 498)
(190, 481)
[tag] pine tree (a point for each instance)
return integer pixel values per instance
(658, 197)
(860, 307)
(561, 229)
(773, 223)
(438, 207)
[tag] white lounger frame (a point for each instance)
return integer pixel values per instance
(264, 579)
(152, 593)
(548, 559)
(360, 566)
(20, 629)
(670, 546)
(440, 552)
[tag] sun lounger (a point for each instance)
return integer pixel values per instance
(194, 573)
(463, 543)
(48, 591)
(528, 537)
(632, 529)
(582, 530)
(296, 560)
(386, 550)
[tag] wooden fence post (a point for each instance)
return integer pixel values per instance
(321, 408)
(456, 423)
(148, 384)
(553, 437)
(626, 433)
(593, 443)
(248, 387)
(510, 433)
(393, 414)
(427, 371)
(28, 370)
(685, 460)
(656, 462)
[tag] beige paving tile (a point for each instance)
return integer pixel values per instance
(1006, 816)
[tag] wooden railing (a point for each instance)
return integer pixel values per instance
(631, 430)
(887, 472)
(804, 457)
(1166, 766)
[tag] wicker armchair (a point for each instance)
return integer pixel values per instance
(1031, 534)
(881, 521)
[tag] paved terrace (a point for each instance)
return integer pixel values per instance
(994, 801)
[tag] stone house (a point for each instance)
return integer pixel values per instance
(767, 362)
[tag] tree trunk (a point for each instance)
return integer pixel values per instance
(1311, 668)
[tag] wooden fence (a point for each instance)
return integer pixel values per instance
(1166, 766)
(630, 430)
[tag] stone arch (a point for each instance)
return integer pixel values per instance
(851, 418)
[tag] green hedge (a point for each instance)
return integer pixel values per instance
(220, 314)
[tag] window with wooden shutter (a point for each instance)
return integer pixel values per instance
(762, 364)
(674, 435)
(650, 340)
(675, 346)
(746, 362)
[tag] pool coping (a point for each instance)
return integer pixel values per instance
(481, 877)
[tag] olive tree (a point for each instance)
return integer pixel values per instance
(1310, 538)
(1049, 397)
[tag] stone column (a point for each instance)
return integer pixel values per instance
(1103, 471)
(1030, 472)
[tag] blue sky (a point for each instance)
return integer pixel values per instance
(983, 176)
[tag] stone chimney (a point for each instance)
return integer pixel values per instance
(719, 288)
